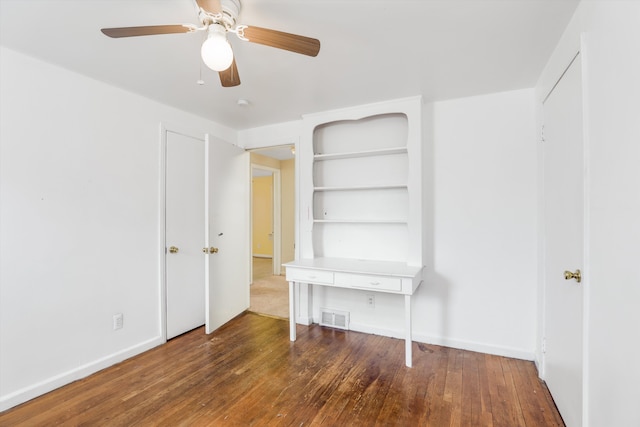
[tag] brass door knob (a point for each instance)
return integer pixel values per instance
(205, 250)
(213, 250)
(173, 249)
(569, 275)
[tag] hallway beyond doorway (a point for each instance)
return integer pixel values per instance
(269, 293)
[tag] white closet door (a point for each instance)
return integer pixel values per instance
(185, 237)
(564, 234)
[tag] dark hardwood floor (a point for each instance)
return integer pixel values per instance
(247, 373)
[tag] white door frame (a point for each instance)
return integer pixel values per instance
(162, 232)
(277, 216)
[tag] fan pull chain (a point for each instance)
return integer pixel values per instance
(200, 81)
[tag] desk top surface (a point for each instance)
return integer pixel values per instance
(345, 265)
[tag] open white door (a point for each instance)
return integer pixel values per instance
(564, 235)
(227, 293)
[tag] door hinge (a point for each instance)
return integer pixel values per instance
(542, 134)
(544, 344)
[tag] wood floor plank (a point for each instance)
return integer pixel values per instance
(368, 380)
(511, 395)
(418, 390)
(249, 373)
(336, 402)
(470, 414)
(486, 413)
(502, 411)
(438, 410)
(532, 397)
(453, 385)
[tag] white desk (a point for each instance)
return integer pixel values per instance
(388, 277)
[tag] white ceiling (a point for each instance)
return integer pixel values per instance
(370, 51)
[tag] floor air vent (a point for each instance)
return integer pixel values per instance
(334, 318)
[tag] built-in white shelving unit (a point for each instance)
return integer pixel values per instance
(361, 183)
(360, 204)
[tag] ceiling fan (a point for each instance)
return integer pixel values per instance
(217, 18)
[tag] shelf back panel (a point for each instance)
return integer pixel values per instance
(376, 170)
(379, 242)
(370, 133)
(366, 205)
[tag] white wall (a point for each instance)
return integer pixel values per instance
(79, 224)
(612, 280)
(287, 133)
(481, 292)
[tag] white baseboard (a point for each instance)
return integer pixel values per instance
(305, 321)
(27, 393)
(368, 329)
(446, 342)
(479, 347)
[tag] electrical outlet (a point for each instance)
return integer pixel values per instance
(371, 300)
(118, 321)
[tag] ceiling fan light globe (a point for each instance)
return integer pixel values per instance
(216, 52)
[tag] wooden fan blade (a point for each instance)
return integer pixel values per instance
(286, 41)
(145, 31)
(230, 77)
(211, 6)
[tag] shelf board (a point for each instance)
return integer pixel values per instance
(367, 153)
(359, 221)
(362, 187)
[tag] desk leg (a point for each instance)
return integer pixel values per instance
(407, 329)
(292, 311)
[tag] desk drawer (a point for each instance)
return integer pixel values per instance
(361, 281)
(309, 276)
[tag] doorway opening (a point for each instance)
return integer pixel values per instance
(272, 228)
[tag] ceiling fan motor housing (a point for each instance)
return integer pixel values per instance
(230, 10)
